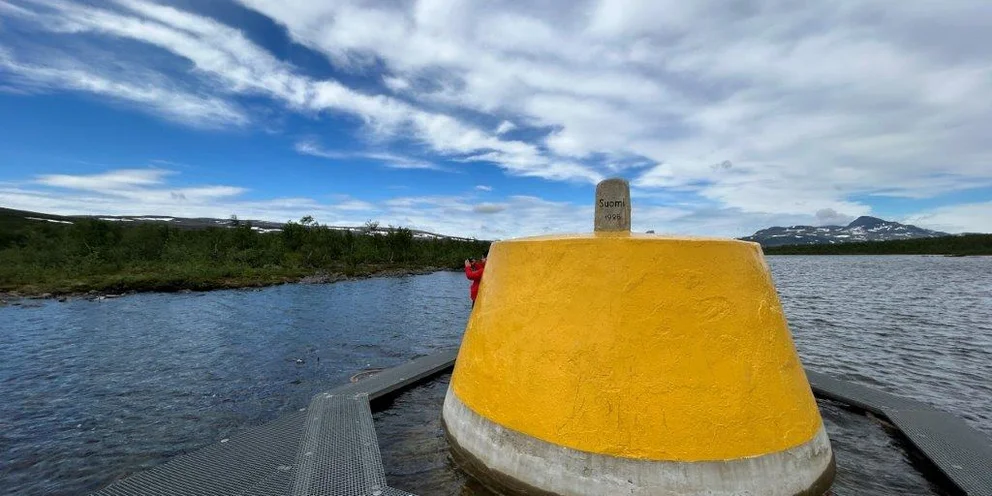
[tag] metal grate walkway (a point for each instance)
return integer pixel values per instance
(326, 449)
(339, 453)
(960, 452)
(330, 447)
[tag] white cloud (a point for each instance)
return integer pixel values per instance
(150, 192)
(505, 127)
(141, 185)
(396, 84)
(818, 102)
(483, 187)
(349, 203)
(967, 217)
(830, 217)
(144, 88)
(14, 10)
(817, 107)
(106, 181)
(488, 208)
(400, 162)
(228, 59)
(311, 147)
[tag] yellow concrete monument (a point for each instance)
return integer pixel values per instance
(617, 363)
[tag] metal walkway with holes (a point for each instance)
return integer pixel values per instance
(339, 453)
(330, 448)
(961, 453)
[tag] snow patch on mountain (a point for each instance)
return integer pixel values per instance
(863, 228)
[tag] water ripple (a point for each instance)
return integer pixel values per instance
(93, 391)
(916, 326)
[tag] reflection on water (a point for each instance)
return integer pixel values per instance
(92, 391)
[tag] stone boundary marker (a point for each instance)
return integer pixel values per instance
(612, 206)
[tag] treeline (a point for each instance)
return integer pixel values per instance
(90, 254)
(969, 244)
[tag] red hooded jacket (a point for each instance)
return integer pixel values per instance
(474, 273)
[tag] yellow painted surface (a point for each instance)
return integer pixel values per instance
(636, 346)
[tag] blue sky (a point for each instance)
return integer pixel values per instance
(496, 119)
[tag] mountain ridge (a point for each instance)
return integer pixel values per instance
(864, 228)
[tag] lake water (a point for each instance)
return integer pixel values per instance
(94, 390)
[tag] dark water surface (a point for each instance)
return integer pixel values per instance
(94, 390)
(909, 325)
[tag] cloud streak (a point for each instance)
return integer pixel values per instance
(146, 89)
(966, 217)
(312, 148)
(816, 102)
(145, 186)
(224, 56)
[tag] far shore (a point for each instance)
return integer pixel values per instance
(125, 287)
(94, 258)
(950, 246)
(940, 255)
(100, 259)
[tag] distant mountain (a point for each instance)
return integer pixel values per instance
(10, 217)
(863, 228)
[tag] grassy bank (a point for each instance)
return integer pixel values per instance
(93, 255)
(970, 244)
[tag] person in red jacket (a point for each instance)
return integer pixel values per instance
(473, 271)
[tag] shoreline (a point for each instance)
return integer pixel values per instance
(17, 297)
(818, 254)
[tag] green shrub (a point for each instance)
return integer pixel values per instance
(95, 254)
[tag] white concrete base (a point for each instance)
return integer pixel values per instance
(804, 469)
